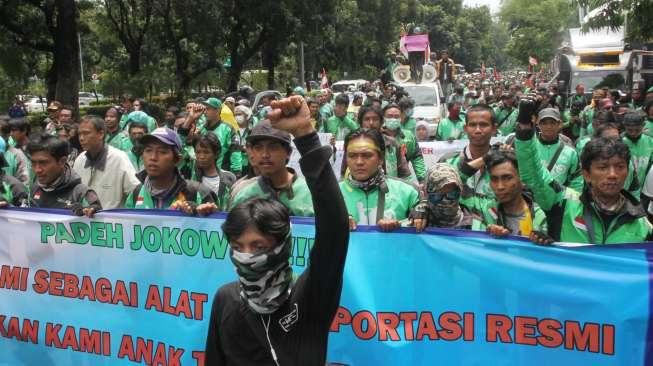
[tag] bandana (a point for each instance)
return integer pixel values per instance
(266, 277)
(370, 183)
(446, 213)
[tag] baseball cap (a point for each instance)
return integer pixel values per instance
(213, 103)
(649, 90)
(264, 130)
(549, 113)
(54, 106)
(165, 135)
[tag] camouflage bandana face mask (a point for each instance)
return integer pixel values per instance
(265, 277)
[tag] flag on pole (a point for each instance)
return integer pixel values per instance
(324, 84)
(532, 60)
(483, 70)
(495, 72)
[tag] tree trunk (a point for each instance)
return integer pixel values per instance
(271, 76)
(233, 76)
(134, 61)
(66, 53)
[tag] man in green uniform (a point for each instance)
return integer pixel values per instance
(405, 139)
(340, 124)
(604, 213)
(452, 127)
(506, 114)
(640, 145)
(560, 159)
(230, 158)
(269, 150)
(162, 186)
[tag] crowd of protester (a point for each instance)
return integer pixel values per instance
(569, 168)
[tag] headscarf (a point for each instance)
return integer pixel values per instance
(245, 110)
(446, 213)
(266, 277)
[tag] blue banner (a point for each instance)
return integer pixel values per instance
(137, 286)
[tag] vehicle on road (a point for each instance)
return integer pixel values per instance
(85, 98)
(343, 86)
(429, 103)
(35, 104)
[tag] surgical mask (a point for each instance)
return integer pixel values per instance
(240, 119)
(392, 123)
(409, 112)
(265, 277)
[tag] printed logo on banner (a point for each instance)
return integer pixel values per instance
(287, 321)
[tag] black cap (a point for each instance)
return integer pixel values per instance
(264, 130)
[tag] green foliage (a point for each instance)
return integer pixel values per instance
(637, 14)
(536, 27)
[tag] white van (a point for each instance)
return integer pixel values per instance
(429, 103)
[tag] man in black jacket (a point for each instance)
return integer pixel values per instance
(57, 185)
(266, 318)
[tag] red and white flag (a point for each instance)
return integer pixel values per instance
(324, 83)
(532, 60)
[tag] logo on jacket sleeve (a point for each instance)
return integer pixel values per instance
(579, 223)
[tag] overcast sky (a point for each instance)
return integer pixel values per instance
(493, 4)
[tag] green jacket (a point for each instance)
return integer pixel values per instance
(297, 197)
(120, 140)
(648, 127)
(506, 120)
(340, 127)
(448, 129)
(227, 180)
(408, 143)
(587, 117)
(492, 213)
(566, 169)
(410, 125)
(477, 182)
(184, 190)
(401, 199)
(230, 157)
(136, 160)
(242, 138)
(641, 153)
(566, 123)
(573, 217)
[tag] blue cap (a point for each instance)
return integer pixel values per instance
(164, 135)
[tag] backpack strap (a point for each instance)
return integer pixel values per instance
(553, 161)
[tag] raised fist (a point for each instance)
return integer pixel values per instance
(291, 115)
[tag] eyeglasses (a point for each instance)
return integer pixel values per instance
(435, 198)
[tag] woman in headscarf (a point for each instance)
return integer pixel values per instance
(443, 190)
(371, 197)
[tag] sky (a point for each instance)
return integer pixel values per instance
(493, 4)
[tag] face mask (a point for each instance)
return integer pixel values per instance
(392, 123)
(409, 113)
(240, 119)
(445, 213)
(266, 277)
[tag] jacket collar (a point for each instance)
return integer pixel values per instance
(267, 187)
(632, 206)
(98, 162)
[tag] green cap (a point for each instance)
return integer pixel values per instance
(213, 103)
(299, 91)
(649, 90)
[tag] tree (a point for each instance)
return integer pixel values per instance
(131, 21)
(48, 26)
(613, 14)
(536, 27)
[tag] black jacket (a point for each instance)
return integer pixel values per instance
(69, 191)
(298, 330)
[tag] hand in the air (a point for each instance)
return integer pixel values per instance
(291, 115)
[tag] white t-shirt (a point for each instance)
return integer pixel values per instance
(647, 189)
(212, 182)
